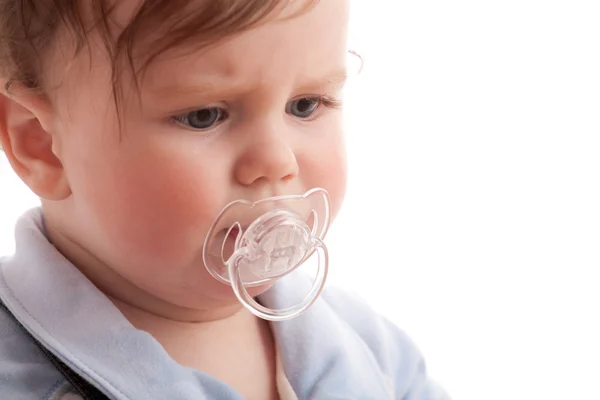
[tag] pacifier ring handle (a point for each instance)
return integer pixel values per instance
(286, 313)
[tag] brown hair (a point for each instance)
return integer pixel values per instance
(28, 27)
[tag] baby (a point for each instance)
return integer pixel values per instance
(189, 157)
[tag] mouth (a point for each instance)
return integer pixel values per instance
(233, 232)
(228, 238)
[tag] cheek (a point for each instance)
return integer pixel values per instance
(335, 173)
(324, 165)
(146, 207)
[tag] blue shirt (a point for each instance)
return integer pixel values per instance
(338, 349)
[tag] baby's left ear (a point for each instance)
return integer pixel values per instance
(26, 136)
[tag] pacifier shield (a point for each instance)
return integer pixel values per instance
(275, 231)
(282, 233)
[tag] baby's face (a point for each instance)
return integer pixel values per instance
(252, 117)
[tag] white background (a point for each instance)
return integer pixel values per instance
(473, 212)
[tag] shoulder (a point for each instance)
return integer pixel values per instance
(25, 372)
(395, 352)
(381, 336)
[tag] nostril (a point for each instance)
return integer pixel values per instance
(287, 177)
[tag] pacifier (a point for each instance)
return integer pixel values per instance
(254, 243)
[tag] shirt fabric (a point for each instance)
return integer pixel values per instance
(338, 349)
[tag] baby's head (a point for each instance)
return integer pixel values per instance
(136, 122)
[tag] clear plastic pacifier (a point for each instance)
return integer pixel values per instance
(252, 244)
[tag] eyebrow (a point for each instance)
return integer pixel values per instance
(221, 86)
(338, 77)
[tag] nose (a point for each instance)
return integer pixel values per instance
(271, 160)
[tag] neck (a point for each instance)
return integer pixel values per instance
(226, 317)
(138, 305)
(223, 347)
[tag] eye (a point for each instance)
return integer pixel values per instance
(202, 119)
(303, 108)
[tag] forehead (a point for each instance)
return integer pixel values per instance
(302, 46)
(306, 44)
